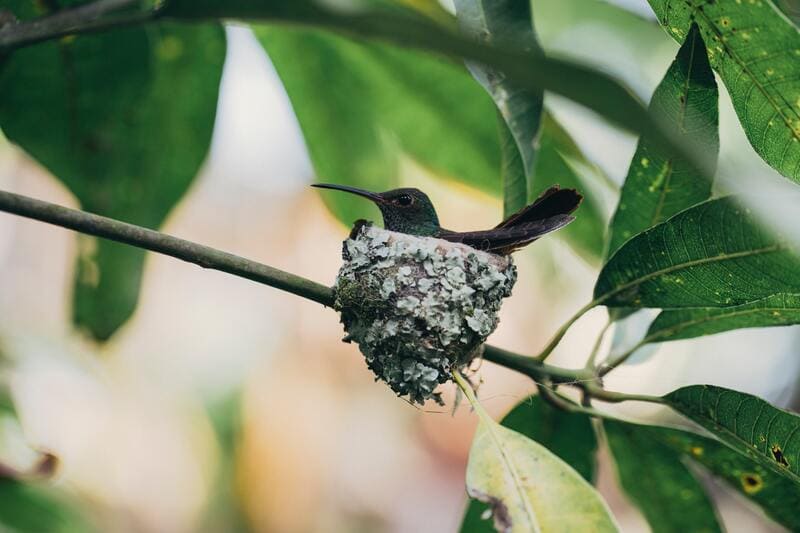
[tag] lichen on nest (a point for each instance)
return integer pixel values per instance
(418, 307)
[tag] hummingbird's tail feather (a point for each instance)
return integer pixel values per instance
(552, 202)
(504, 240)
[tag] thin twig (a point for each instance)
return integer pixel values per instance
(620, 359)
(155, 241)
(590, 363)
(91, 17)
(545, 353)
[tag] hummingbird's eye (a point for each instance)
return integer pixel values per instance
(405, 200)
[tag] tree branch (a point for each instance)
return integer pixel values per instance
(214, 259)
(94, 16)
(155, 241)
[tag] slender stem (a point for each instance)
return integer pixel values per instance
(590, 363)
(562, 402)
(91, 17)
(154, 241)
(544, 354)
(620, 359)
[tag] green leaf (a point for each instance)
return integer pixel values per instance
(776, 495)
(712, 255)
(775, 310)
(755, 50)
(26, 507)
(568, 435)
(124, 119)
(767, 435)
(656, 480)
(559, 161)
(659, 186)
(327, 80)
(381, 100)
(529, 488)
(439, 115)
(507, 22)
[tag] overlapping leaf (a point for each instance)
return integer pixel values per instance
(378, 100)
(124, 119)
(755, 50)
(654, 477)
(767, 435)
(659, 186)
(775, 310)
(333, 106)
(507, 22)
(568, 435)
(776, 495)
(528, 487)
(715, 254)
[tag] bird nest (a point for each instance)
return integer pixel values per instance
(418, 307)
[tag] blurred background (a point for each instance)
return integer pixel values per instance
(223, 405)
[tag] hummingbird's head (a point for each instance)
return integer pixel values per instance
(405, 210)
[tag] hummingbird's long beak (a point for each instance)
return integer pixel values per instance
(375, 197)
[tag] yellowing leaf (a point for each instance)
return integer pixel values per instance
(528, 487)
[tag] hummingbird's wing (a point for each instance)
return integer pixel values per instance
(504, 240)
(554, 201)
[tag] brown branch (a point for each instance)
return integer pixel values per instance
(162, 243)
(85, 18)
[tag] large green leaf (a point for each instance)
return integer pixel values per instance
(568, 435)
(712, 255)
(767, 435)
(327, 80)
(528, 487)
(775, 310)
(659, 186)
(438, 114)
(654, 477)
(124, 119)
(776, 495)
(507, 22)
(380, 99)
(755, 50)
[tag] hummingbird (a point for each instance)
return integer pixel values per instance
(410, 211)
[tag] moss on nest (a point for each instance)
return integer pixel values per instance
(418, 306)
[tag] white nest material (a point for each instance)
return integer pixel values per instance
(418, 307)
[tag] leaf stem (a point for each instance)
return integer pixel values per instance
(469, 392)
(620, 359)
(590, 363)
(545, 353)
(155, 241)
